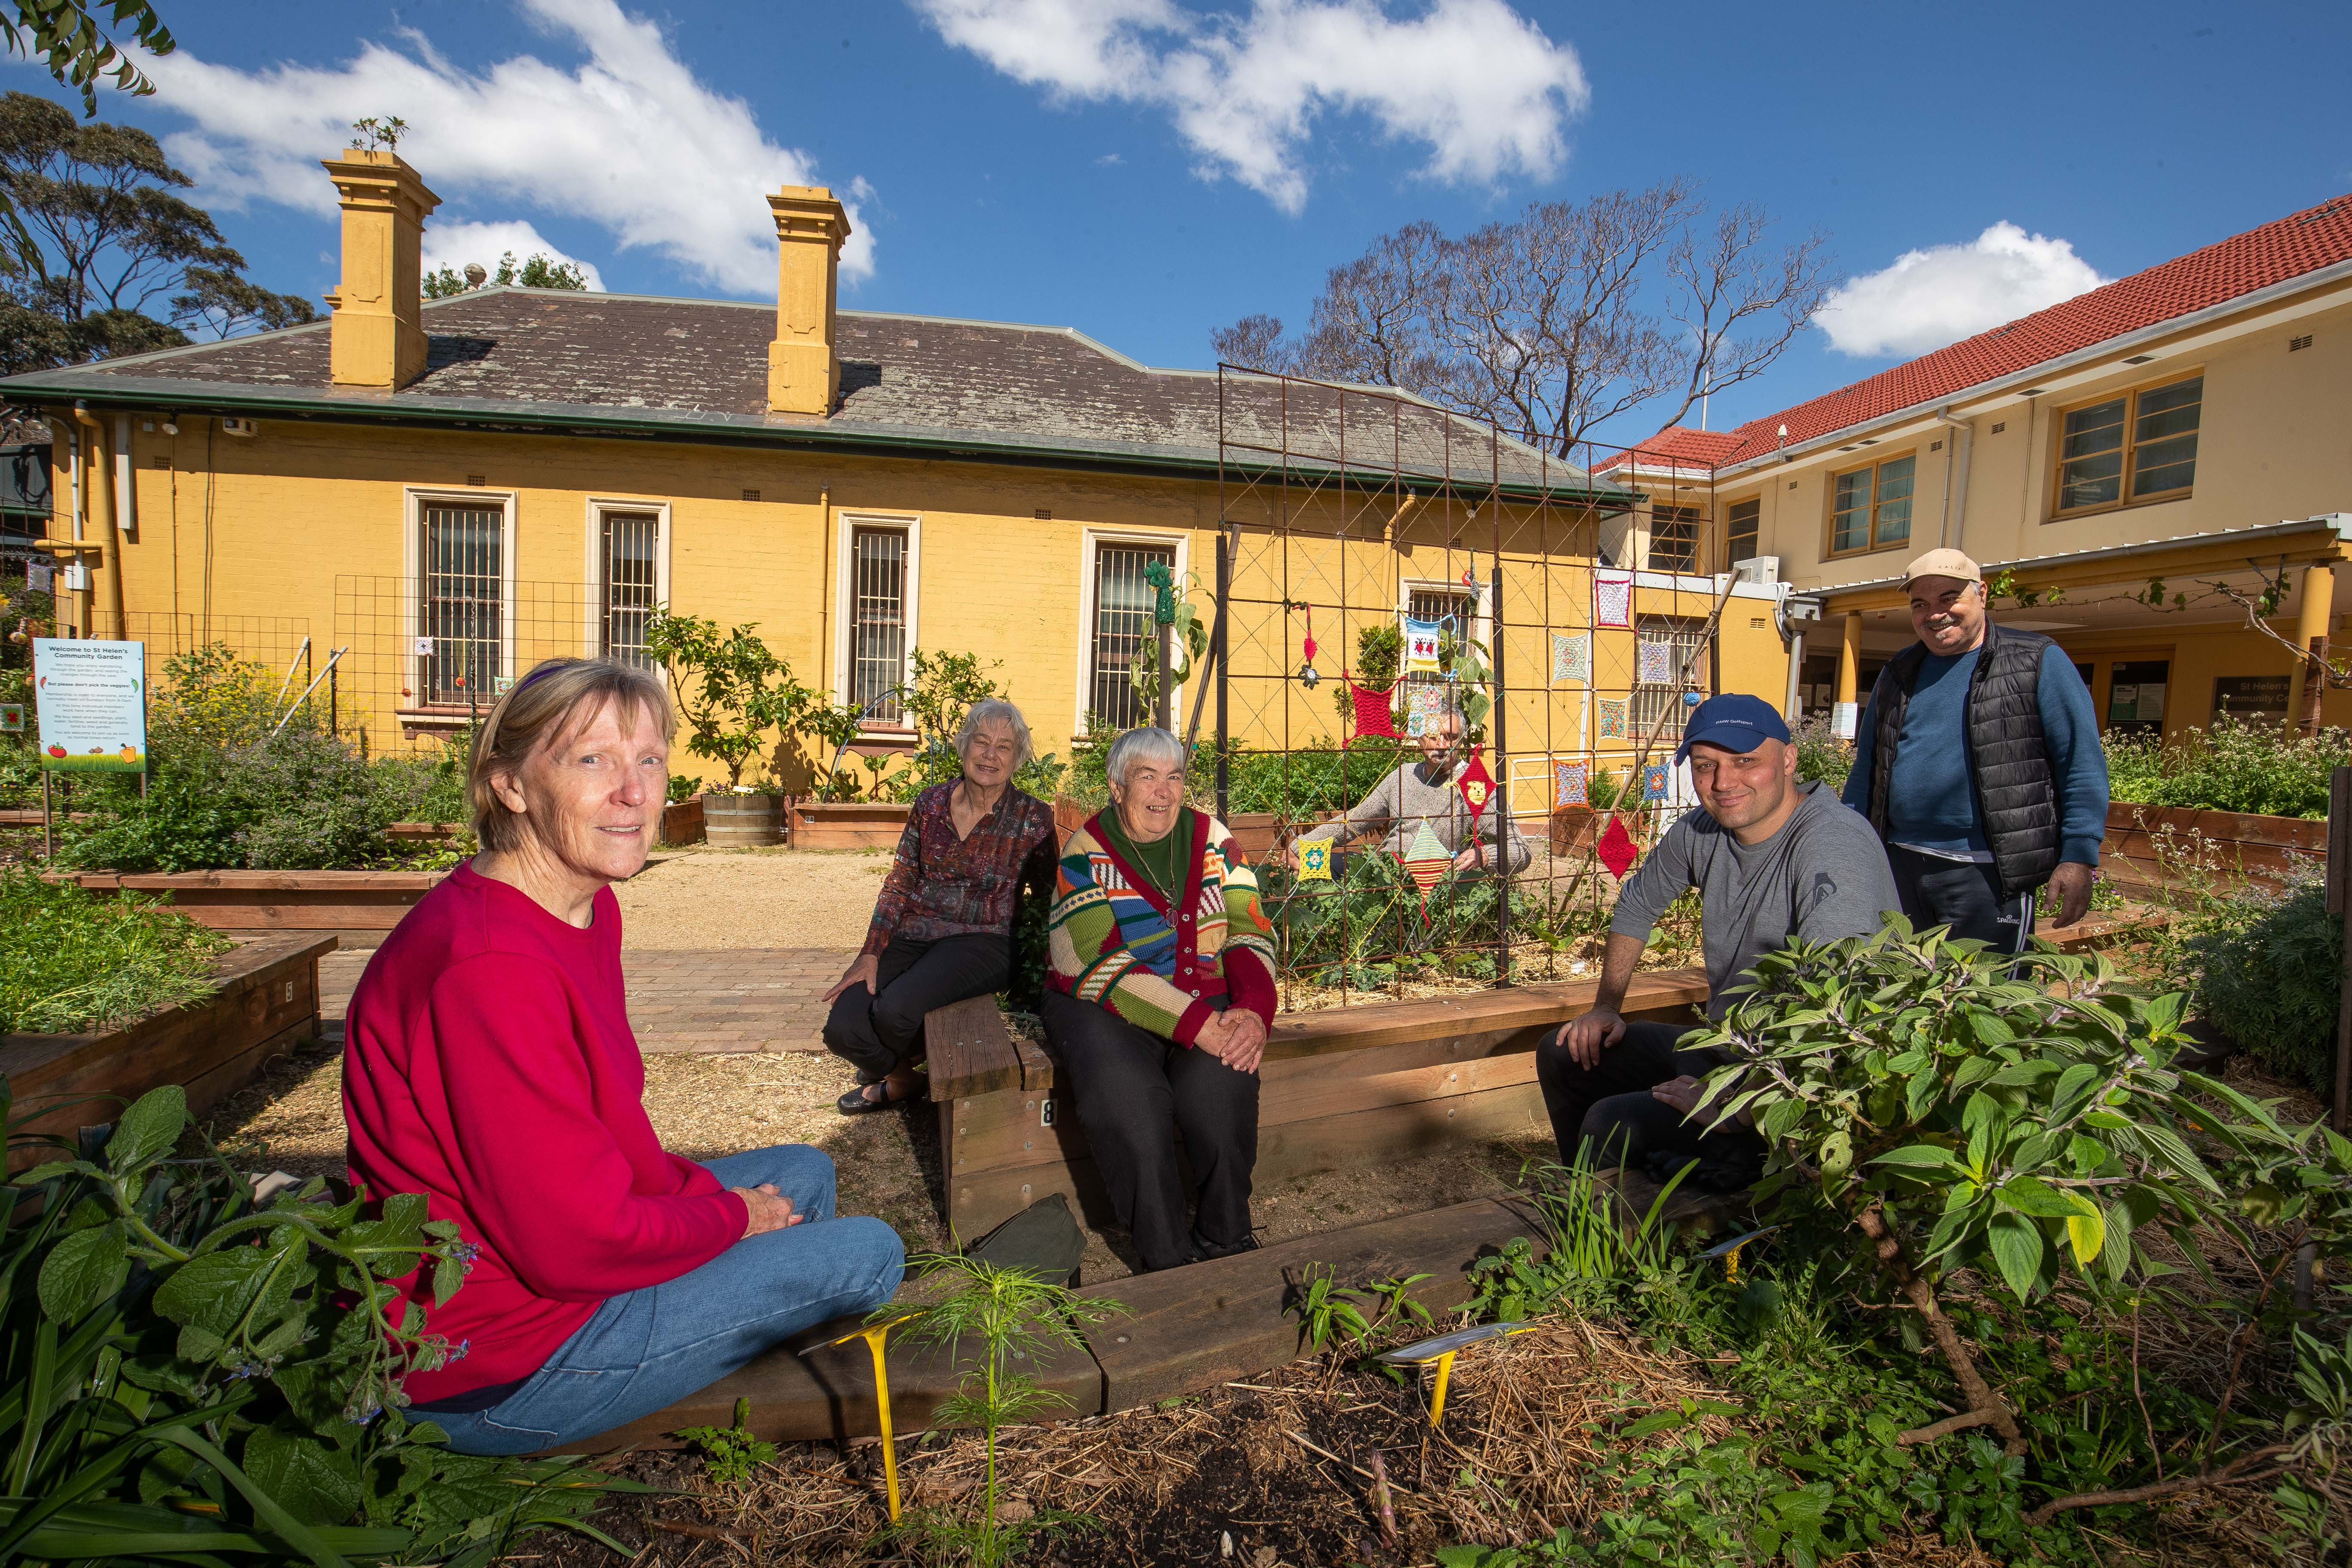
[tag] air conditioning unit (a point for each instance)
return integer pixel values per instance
(1764, 570)
(248, 428)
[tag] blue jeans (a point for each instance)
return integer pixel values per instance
(649, 1348)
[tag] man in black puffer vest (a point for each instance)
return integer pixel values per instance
(1979, 762)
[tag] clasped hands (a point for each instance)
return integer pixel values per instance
(1605, 1026)
(1235, 1036)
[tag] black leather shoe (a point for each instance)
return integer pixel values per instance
(854, 1102)
(1203, 1250)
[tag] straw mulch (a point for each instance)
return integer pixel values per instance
(1276, 1471)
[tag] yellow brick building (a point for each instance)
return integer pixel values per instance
(448, 490)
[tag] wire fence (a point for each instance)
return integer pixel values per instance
(424, 658)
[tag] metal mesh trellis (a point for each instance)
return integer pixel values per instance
(1358, 517)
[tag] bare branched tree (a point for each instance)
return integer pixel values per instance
(1565, 318)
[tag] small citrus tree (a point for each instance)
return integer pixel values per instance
(740, 690)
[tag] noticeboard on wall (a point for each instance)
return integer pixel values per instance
(2257, 700)
(91, 699)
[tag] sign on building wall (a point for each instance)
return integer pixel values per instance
(2255, 700)
(91, 699)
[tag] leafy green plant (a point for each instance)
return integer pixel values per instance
(731, 1454)
(191, 1375)
(71, 960)
(2272, 978)
(1588, 1258)
(1009, 1316)
(1821, 756)
(2023, 1120)
(1328, 1315)
(1394, 1303)
(740, 693)
(1379, 650)
(2232, 766)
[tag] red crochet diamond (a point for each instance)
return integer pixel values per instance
(1616, 849)
(1372, 712)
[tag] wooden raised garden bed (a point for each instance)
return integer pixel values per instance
(268, 1003)
(681, 823)
(849, 825)
(358, 905)
(1347, 1086)
(2156, 851)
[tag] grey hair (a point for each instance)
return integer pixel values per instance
(996, 711)
(1143, 743)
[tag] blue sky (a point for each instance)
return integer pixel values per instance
(1149, 170)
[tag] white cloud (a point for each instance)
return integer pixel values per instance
(627, 138)
(452, 245)
(1473, 82)
(1937, 296)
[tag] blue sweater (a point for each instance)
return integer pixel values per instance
(1931, 804)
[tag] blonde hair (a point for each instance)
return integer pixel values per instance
(555, 698)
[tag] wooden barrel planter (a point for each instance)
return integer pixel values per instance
(742, 821)
(849, 825)
(682, 822)
(268, 1003)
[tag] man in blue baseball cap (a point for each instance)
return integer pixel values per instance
(1772, 858)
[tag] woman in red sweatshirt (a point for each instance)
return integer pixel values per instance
(490, 1066)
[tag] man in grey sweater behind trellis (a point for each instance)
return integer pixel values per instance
(1424, 792)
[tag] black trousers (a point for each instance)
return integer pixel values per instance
(1135, 1090)
(1962, 894)
(1609, 1106)
(878, 1031)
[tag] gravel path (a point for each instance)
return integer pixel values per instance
(752, 898)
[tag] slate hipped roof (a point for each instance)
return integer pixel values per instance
(2293, 246)
(697, 370)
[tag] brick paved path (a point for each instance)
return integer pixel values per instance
(716, 1000)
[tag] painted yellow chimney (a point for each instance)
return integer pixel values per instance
(803, 371)
(377, 337)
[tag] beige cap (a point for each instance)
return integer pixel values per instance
(1943, 564)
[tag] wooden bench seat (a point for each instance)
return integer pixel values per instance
(1347, 1086)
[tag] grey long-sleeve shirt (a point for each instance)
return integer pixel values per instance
(1824, 875)
(1401, 802)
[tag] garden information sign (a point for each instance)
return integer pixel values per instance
(92, 700)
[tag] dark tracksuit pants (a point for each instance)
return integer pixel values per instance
(877, 1031)
(1135, 1090)
(1610, 1107)
(1962, 894)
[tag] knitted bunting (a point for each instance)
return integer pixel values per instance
(1612, 598)
(1420, 639)
(1425, 861)
(1653, 783)
(1476, 786)
(1315, 861)
(1572, 656)
(1616, 849)
(1372, 711)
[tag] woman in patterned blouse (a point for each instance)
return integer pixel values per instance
(942, 929)
(1159, 1002)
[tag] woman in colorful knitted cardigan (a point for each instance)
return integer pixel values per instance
(1159, 1002)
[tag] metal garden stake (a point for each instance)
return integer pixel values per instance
(873, 1336)
(1443, 1349)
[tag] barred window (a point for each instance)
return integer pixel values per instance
(1122, 630)
(629, 543)
(877, 621)
(1673, 660)
(460, 648)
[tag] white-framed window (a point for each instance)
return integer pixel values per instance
(459, 555)
(1677, 645)
(627, 575)
(1115, 620)
(877, 595)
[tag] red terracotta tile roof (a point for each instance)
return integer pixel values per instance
(1677, 445)
(2297, 243)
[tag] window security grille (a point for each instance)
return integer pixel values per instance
(1682, 642)
(877, 621)
(1122, 629)
(628, 555)
(460, 606)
